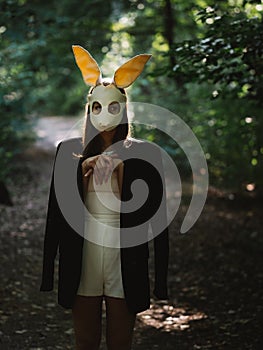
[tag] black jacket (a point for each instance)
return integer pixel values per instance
(61, 232)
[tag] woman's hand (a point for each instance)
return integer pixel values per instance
(101, 166)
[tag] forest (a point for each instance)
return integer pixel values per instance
(207, 69)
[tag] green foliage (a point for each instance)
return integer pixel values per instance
(206, 67)
(230, 55)
(15, 123)
(228, 131)
(39, 36)
(16, 131)
(222, 73)
(37, 73)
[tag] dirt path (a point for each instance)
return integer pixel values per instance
(50, 130)
(215, 277)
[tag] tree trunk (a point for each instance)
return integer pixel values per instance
(169, 24)
(169, 33)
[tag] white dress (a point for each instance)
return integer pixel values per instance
(101, 263)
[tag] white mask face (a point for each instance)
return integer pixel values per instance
(107, 104)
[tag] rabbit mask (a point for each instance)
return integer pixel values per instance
(107, 102)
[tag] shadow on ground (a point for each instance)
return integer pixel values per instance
(215, 276)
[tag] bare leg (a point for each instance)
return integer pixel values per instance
(120, 324)
(86, 313)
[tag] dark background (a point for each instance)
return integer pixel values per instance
(207, 68)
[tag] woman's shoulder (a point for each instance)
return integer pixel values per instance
(70, 141)
(69, 147)
(141, 143)
(71, 144)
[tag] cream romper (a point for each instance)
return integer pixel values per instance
(101, 264)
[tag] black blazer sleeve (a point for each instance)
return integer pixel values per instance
(160, 231)
(51, 240)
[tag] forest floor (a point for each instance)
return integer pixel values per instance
(215, 274)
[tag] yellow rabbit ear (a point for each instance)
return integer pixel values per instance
(87, 65)
(129, 71)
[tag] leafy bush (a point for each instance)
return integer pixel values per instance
(223, 75)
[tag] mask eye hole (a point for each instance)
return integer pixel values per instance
(114, 107)
(96, 108)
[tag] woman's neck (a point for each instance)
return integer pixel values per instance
(107, 137)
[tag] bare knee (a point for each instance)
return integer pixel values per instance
(118, 342)
(87, 322)
(120, 324)
(87, 342)
(87, 338)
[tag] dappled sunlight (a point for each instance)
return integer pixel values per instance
(168, 317)
(250, 187)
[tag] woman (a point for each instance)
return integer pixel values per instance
(103, 254)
